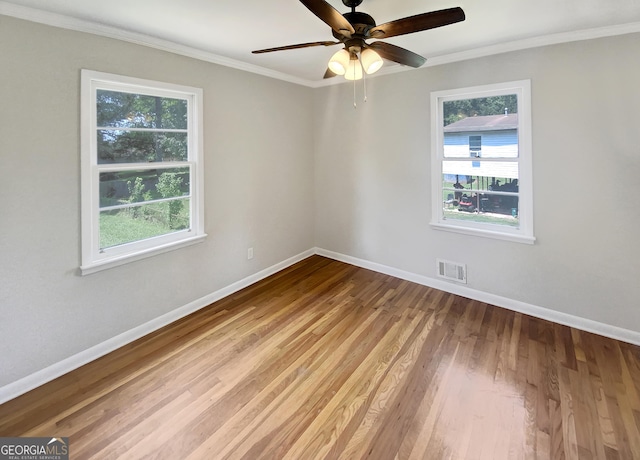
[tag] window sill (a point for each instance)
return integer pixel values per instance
(515, 238)
(116, 261)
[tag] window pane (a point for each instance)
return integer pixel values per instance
(485, 175)
(125, 187)
(494, 209)
(120, 226)
(486, 127)
(128, 110)
(117, 146)
(481, 198)
(475, 146)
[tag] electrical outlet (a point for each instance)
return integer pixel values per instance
(249, 253)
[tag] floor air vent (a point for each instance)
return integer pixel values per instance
(452, 271)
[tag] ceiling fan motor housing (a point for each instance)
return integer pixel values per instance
(361, 23)
(351, 3)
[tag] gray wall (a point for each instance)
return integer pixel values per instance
(258, 192)
(373, 178)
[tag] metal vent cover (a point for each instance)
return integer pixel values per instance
(453, 271)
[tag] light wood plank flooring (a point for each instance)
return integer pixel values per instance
(327, 360)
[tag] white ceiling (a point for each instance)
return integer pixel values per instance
(226, 31)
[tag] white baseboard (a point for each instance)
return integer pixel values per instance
(28, 383)
(584, 324)
(60, 368)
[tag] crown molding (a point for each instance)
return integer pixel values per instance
(536, 42)
(80, 25)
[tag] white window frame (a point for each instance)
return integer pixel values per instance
(93, 257)
(522, 234)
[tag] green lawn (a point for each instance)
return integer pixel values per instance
(478, 217)
(120, 227)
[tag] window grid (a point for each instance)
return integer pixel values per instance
(464, 199)
(171, 190)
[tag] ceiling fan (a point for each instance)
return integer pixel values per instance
(353, 28)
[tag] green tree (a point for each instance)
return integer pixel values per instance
(169, 186)
(118, 112)
(137, 194)
(496, 105)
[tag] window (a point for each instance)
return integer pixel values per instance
(142, 187)
(481, 161)
(475, 146)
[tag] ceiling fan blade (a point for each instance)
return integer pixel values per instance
(293, 47)
(418, 23)
(329, 73)
(397, 54)
(330, 16)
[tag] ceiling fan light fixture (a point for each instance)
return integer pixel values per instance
(371, 61)
(354, 70)
(339, 62)
(354, 28)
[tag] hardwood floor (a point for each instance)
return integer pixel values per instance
(327, 360)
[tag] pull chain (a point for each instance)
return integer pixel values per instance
(364, 84)
(355, 106)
